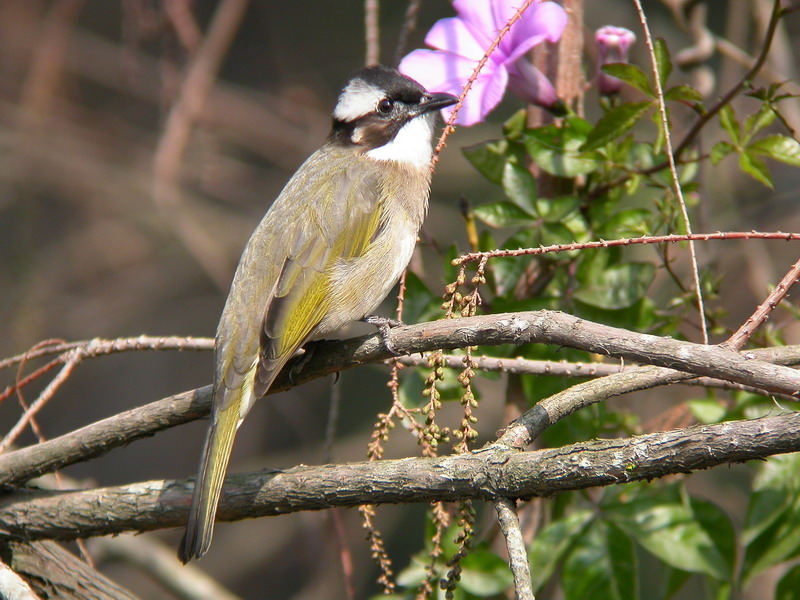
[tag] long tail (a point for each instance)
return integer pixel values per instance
(210, 475)
(229, 408)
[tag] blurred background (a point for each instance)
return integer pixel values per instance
(90, 246)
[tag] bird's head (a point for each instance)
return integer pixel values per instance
(387, 116)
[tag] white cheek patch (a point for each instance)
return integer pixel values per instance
(356, 100)
(411, 145)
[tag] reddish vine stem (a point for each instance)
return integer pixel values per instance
(69, 365)
(98, 347)
(761, 314)
(656, 239)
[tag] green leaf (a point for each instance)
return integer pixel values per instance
(488, 158)
(557, 150)
(556, 209)
(632, 75)
(623, 563)
(485, 574)
(552, 543)
(668, 530)
(516, 124)
(520, 187)
(419, 304)
(615, 287)
(641, 316)
(586, 572)
(788, 585)
(662, 61)
(778, 147)
(675, 581)
(772, 525)
(508, 271)
(763, 117)
(720, 150)
(503, 214)
(683, 93)
(627, 223)
(716, 523)
(707, 410)
(727, 118)
(755, 167)
(615, 123)
(450, 271)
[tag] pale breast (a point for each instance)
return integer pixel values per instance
(360, 284)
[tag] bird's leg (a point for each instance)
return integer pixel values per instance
(384, 324)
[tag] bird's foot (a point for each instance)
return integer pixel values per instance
(299, 361)
(384, 324)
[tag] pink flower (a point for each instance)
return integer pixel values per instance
(461, 42)
(613, 44)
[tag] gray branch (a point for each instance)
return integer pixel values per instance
(517, 552)
(749, 368)
(489, 473)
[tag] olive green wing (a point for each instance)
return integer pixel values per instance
(336, 225)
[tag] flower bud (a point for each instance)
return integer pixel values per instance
(530, 84)
(613, 44)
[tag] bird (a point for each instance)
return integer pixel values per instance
(326, 253)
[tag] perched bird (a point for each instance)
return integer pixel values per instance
(327, 252)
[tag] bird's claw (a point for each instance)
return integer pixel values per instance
(384, 324)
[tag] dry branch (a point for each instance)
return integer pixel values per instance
(53, 572)
(483, 474)
(552, 327)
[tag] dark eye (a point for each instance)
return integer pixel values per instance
(385, 106)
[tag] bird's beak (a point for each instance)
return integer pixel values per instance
(431, 102)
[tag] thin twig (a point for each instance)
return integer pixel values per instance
(156, 561)
(69, 365)
(525, 366)
(517, 553)
(173, 142)
(731, 94)
(98, 347)
(409, 25)
(761, 314)
(673, 169)
(345, 555)
(646, 239)
(372, 31)
(336, 516)
(182, 20)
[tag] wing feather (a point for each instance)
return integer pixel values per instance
(316, 223)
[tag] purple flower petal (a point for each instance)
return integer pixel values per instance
(446, 72)
(454, 36)
(489, 89)
(542, 21)
(479, 17)
(438, 71)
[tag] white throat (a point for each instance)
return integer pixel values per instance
(411, 145)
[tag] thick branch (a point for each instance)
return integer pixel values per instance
(53, 572)
(486, 474)
(551, 327)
